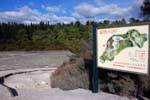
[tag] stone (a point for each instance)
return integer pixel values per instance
(5, 92)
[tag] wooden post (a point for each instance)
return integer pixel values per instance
(94, 67)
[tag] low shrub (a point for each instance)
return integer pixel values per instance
(71, 75)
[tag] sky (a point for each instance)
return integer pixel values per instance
(66, 11)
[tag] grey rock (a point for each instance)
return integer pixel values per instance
(5, 92)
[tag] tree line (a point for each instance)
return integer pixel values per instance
(42, 36)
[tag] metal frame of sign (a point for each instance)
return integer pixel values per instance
(94, 67)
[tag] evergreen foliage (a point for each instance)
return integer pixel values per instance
(145, 9)
(44, 36)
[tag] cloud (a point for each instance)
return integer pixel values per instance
(27, 15)
(51, 8)
(53, 19)
(139, 2)
(99, 2)
(54, 9)
(87, 10)
(99, 10)
(26, 10)
(24, 13)
(135, 9)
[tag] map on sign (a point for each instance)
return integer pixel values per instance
(124, 48)
(117, 43)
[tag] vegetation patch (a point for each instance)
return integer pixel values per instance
(71, 75)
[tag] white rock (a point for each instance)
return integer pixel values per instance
(42, 82)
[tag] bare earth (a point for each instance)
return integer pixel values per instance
(33, 82)
(34, 59)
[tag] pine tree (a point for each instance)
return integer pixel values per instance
(145, 9)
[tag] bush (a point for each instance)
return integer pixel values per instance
(144, 85)
(71, 75)
(117, 83)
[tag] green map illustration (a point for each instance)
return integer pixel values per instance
(117, 43)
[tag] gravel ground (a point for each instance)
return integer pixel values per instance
(57, 94)
(34, 59)
(35, 85)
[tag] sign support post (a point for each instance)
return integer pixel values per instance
(94, 67)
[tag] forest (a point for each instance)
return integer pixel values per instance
(43, 36)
